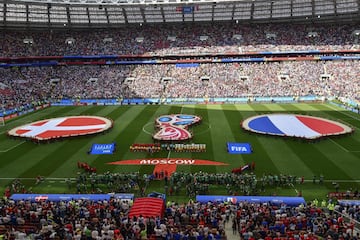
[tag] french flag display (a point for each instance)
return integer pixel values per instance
(294, 125)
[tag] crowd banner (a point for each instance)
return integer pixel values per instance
(186, 9)
(120, 60)
(157, 195)
(69, 197)
(12, 113)
(187, 65)
(274, 200)
(123, 196)
(352, 202)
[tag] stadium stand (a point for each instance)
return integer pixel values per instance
(86, 219)
(304, 78)
(189, 39)
(25, 87)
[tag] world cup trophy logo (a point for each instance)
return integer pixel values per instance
(174, 127)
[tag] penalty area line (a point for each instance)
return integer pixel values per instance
(5, 131)
(9, 149)
(340, 146)
(336, 180)
(344, 113)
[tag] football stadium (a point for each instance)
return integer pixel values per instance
(180, 119)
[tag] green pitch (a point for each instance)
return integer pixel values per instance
(337, 159)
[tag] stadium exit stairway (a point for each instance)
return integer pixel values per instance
(229, 232)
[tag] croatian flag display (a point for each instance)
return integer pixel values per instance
(293, 125)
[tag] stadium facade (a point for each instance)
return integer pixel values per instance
(118, 13)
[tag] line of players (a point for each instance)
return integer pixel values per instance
(178, 147)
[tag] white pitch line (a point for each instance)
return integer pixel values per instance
(344, 113)
(3, 132)
(204, 131)
(294, 188)
(145, 131)
(9, 149)
(35, 178)
(337, 180)
(348, 118)
(339, 145)
(168, 156)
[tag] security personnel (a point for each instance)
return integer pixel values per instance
(323, 203)
(331, 207)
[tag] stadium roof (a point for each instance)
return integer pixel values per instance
(98, 13)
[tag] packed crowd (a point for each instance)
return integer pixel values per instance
(85, 219)
(24, 86)
(181, 39)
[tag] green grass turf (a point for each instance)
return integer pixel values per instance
(338, 159)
